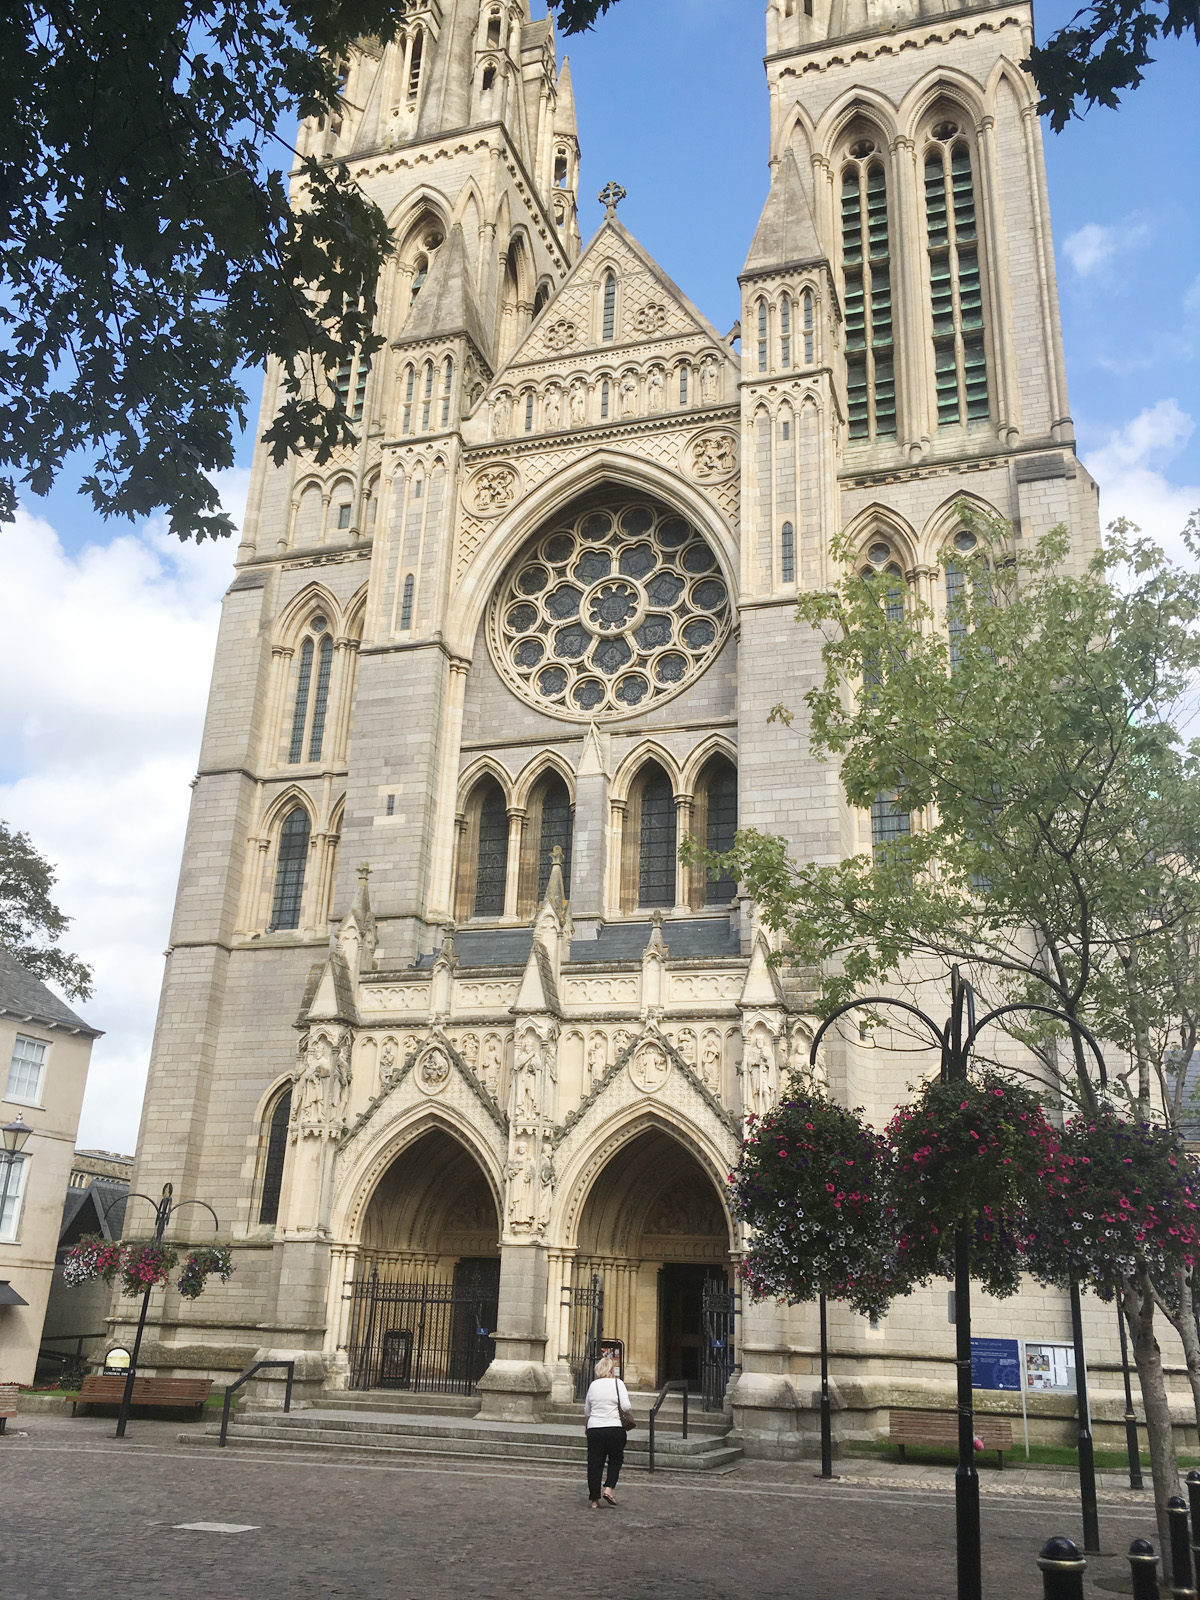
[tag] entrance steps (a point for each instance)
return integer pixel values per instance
(382, 1424)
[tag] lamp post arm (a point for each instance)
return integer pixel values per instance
(1048, 1011)
(875, 1000)
(205, 1204)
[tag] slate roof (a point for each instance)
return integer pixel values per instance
(23, 995)
(690, 939)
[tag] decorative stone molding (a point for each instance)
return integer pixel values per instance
(711, 456)
(492, 489)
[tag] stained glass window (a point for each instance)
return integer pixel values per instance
(300, 710)
(268, 1208)
(289, 869)
(492, 855)
(656, 844)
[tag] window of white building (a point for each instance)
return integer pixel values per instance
(26, 1070)
(10, 1213)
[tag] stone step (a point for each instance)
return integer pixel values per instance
(333, 1419)
(353, 1442)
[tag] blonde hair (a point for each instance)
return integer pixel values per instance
(604, 1367)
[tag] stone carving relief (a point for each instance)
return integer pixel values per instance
(472, 1212)
(521, 1172)
(650, 318)
(628, 394)
(684, 1041)
(710, 381)
(468, 1049)
(494, 488)
(552, 409)
(485, 996)
(321, 1084)
(597, 1061)
(491, 1063)
(577, 403)
(759, 1073)
(712, 455)
(561, 335)
(433, 1069)
(687, 1207)
(501, 416)
(601, 991)
(710, 1060)
(650, 1067)
(655, 385)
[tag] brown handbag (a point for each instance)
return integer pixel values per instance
(628, 1420)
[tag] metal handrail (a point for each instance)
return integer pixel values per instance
(249, 1373)
(673, 1386)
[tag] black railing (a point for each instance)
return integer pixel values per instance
(434, 1337)
(674, 1386)
(585, 1332)
(245, 1377)
(718, 1315)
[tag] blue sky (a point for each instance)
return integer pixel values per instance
(99, 729)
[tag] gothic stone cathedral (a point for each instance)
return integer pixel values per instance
(444, 1016)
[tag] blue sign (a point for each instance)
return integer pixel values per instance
(995, 1364)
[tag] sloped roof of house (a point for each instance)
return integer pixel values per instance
(27, 997)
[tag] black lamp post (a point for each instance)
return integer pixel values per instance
(956, 1043)
(16, 1136)
(164, 1208)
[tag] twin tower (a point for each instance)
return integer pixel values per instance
(442, 1006)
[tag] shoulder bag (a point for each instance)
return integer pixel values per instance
(628, 1420)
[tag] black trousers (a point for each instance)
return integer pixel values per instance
(604, 1445)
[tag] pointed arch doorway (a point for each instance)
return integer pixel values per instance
(655, 1232)
(427, 1281)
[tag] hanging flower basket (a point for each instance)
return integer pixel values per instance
(90, 1258)
(979, 1153)
(812, 1183)
(200, 1264)
(1122, 1197)
(145, 1265)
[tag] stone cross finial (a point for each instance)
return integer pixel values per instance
(556, 856)
(610, 198)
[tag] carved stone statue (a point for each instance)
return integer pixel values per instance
(526, 1098)
(387, 1063)
(552, 411)
(490, 1065)
(521, 1173)
(654, 389)
(547, 1179)
(597, 1060)
(710, 1061)
(309, 1093)
(758, 1077)
(628, 392)
(578, 403)
(709, 380)
(501, 417)
(468, 1049)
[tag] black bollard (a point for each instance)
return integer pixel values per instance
(1143, 1570)
(1181, 1549)
(1193, 1494)
(1062, 1570)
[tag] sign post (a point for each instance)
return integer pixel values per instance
(997, 1364)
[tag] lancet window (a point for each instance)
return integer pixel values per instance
(649, 841)
(956, 584)
(290, 861)
(276, 1154)
(785, 333)
(866, 267)
(714, 822)
(609, 321)
(787, 553)
(955, 289)
(547, 827)
(483, 853)
(308, 709)
(809, 319)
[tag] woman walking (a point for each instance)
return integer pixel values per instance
(606, 1399)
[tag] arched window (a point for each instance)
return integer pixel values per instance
(651, 858)
(866, 266)
(888, 822)
(604, 400)
(609, 325)
(410, 381)
(272, 1180)
(489, 78)
(882, 562)
(787, 554)
(540, 298)
(548, 823)
(290, 861)
(785, 333)
(426, 397)
(351, 385)
(406, 604)
(483, 858)
(300, 709)
(529, 411)
(956, 587)
(447, 386)
(308, 711)
(414, 65)
(809, 328)
(955, 291)
(683, 384)
(762, 335)
(321, 698)
(420, 273)
(560, 169)
(493, 29)
(714, 819)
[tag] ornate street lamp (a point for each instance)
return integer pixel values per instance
(16, 1136)
(956, 1042)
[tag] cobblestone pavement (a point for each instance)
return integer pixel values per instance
(93, 1518)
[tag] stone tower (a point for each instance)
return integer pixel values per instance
(442, 1006)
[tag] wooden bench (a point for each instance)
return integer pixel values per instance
(107, 1389)
(8, 1403)
(940, 1430)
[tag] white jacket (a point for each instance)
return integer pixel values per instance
(601, 1407)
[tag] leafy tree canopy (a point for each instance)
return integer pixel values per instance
(1056, 843)
(31, 925)
(151, 251)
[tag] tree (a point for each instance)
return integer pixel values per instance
(1102, 50)
(30, 923)
(1032, 734)
(152, 252)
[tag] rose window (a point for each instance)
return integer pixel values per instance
(610, 612)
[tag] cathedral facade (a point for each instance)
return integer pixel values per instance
(444, 1015)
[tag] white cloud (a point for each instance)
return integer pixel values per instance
(1129, 467)
(101, 731)
(1095, 246)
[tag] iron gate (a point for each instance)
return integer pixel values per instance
(717, 1317)
(586, 1331)
(434, 1337)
